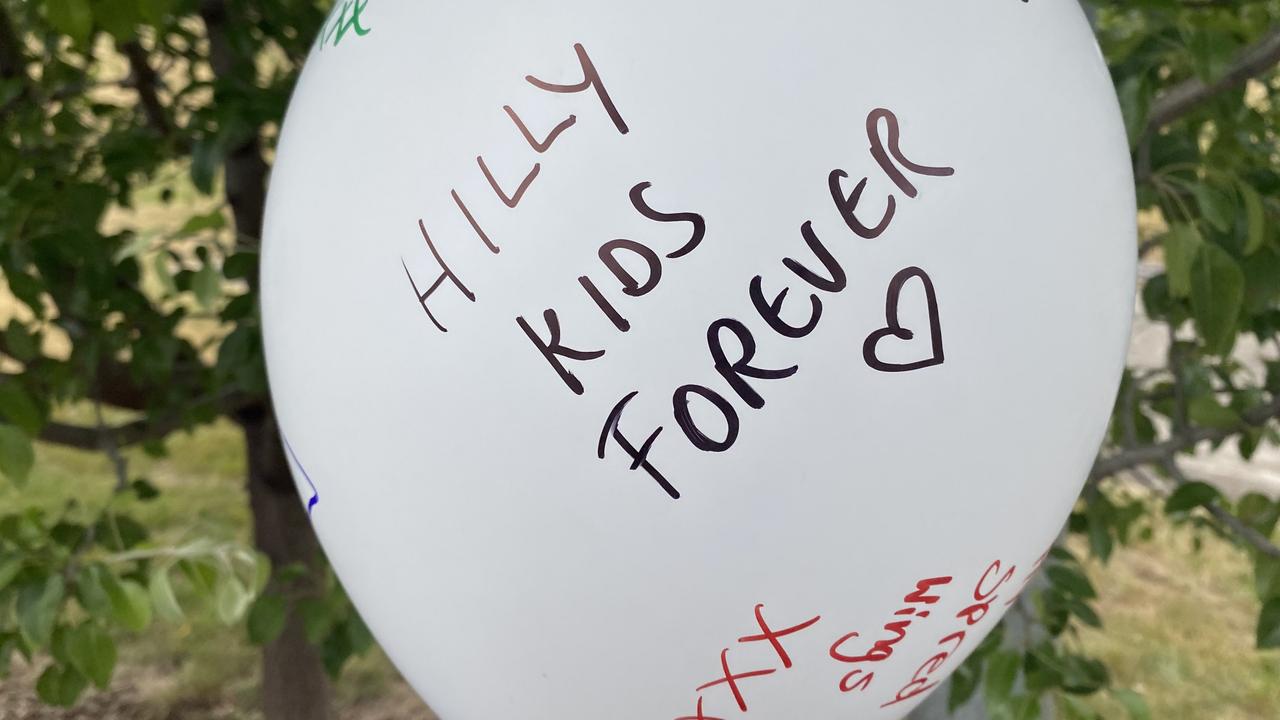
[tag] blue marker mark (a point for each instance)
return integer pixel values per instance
(315, 494)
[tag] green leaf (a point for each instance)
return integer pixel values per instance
(27, 289)
(1026, 707)
(19, 408)
(1101, 541)
(292, 572)
(1084, 612)
(89, 592)
(963, 684)
(130, 602)
(8, 644)
(19, 343)
(215, 220)
(137, 245)
(1216, 206)
(1181, 244)
(160, 265)
(267, 618)
(1262, 281)
(207, 285)
(1071, 580)
(61, 685)
(9, 569)
(119, 18)
(1133, 703)
(1135, 100)
(1260, 512)
(1256, 216)
(93, 653)
(1269, 625)
(231, 598)
(1191, 495)
(17, 455)
(202, 575)
(37, 609)
(358, 634)
(68, 534)
(1002, 671)
(317, 620)
(1076, 709)
(144, 490)
(206, 160)
(241, 266)
(163, 598)
(1082, 675)
(1217, 295)
(73, 18)
(119, 532)
(155, 11)
(262, 572)
(1206, 411)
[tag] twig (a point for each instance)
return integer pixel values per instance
(1159, 452)
(138, 431)
(1257, 540)
(112, 449)
(1185, 97)
(147, 82)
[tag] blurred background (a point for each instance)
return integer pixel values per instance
(156, 562)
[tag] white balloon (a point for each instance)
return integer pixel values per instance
(507, 242)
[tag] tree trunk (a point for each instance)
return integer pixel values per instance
(294, 683)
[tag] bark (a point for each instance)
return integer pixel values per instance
(10, 53)
(294, 683)
(11, 62)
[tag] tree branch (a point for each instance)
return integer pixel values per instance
(10, 53)
(1188, 95)
(105, 438)
(245, 169)
(1260, 542)
(116, 387)
(147, 83)
(11, 63)
(1160, 452)
(1257, 540)
(102, 439)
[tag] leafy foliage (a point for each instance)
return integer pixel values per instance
(77, 579)
(109, 108)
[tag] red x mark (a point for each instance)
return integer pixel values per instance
(774, 636)
(699, 716)
(732, 680)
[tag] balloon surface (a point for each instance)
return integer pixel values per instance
(711, 359)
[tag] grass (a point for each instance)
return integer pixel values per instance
(1179, 628)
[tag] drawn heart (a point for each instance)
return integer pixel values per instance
(894, 327)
